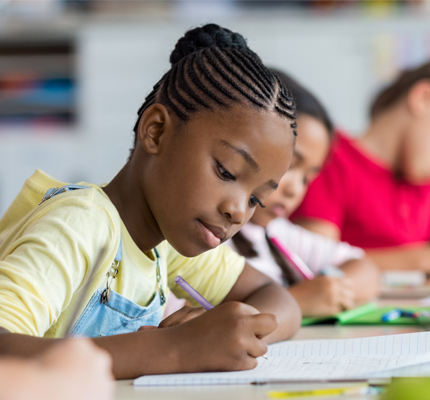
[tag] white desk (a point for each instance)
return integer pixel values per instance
(126, 391)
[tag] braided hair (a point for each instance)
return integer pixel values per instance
(214, 67)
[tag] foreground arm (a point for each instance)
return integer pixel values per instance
(397, 258)
(70, 370)
(402, 258)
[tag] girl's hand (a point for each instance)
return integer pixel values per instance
(324, 296)
(183, 315)
(178, 317)
(75, 369)
(226, 338)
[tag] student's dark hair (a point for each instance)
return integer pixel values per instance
(214, 67)
(306, 102)
(399, 88)
(245, 248)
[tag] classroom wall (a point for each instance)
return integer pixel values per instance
(343, 59)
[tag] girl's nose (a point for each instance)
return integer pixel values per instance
(234, 210)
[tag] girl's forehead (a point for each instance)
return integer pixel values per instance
(259, 134)
(242, 123)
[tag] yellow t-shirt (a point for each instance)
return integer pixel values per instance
(47, 252)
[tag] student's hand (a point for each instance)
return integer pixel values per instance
(323, 296)
(226, 338)
(75, 369)
(183, 315)
(178, 317)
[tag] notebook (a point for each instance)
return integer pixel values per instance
(369, 314)
(347, 359)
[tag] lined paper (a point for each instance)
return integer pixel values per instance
(380, 356)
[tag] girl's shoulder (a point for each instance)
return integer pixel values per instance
(28, 206)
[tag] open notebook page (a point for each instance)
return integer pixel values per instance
(319, 359)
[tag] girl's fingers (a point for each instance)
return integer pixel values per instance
(346, 283)
(263, 324)
(147, 327)
(184, 314)
(258, 348)
(347, 300)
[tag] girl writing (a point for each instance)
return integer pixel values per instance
(212, 142)
(357, 278)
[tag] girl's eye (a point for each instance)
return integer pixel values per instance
(224, 173)
(253, 201)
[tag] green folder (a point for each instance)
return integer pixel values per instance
(368, 314)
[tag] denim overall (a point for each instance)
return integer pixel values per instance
(108, 313)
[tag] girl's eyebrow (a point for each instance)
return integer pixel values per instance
(248, 158)
(272, 184)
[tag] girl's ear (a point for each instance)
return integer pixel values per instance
(418, 98)
(152, 126)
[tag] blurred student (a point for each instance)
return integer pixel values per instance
(357, 278)
(375, 190)
(212, 141)
(73, 369)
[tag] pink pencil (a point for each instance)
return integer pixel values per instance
(295, 261)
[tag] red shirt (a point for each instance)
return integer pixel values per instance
(369, 205)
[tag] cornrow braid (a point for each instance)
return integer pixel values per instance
(261, 71)
(213, 67)
(226, 77)
(183, 85)
(259, 79)
(166, 95)
(221, 57)
(196, 80)
(188, 106)
(208, 75)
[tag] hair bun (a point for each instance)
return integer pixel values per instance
(207, 36)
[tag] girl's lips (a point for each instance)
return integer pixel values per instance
(279, 210)
(208, 236)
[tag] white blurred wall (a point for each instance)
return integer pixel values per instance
(120, 60)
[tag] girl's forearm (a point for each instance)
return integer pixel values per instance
(142, 353)
(274, 299)
(129, 351)
(402, 258)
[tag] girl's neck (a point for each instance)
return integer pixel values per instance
(129, 199)
(384, 137)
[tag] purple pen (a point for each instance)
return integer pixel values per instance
(193, 293)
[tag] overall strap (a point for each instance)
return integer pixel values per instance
(54, 191)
